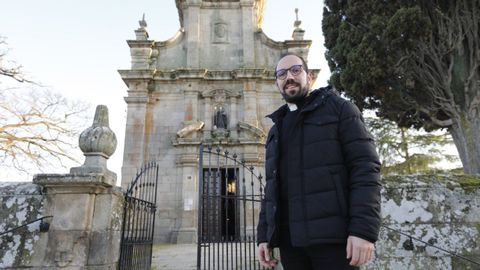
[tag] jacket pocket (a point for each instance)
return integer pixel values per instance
(342, 202)
(319, 130)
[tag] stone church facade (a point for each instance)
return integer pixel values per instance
(213, 84)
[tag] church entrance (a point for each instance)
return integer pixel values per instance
(230, 194)
(220, 206)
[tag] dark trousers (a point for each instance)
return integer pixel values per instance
(317, 257)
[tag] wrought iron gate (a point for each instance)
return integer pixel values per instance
(139, 219)
(230, 194)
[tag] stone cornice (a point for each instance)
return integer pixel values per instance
(221, 5)
(76, 183)
(205, 74)
(282, 44)
(180, 73)
(177, 142)
(136, 99)
(140, 43)
(130, 75)
(216, 92)
(201, 74)
(136, 74)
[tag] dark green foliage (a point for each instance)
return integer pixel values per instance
(374, 48)
(415, 62)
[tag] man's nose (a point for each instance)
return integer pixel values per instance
(289, 75)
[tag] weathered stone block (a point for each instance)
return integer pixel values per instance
(108, 212)
(72, 211)
(67, 249)
(104, 247)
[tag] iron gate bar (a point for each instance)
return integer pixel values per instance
(227, 208)
(139, 219)
(200, 206)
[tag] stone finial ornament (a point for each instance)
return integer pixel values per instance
(143, 23)
(97, 143)
(297, 22)
(141, 33)
(298, 32)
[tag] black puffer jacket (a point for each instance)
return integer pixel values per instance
(335, 192)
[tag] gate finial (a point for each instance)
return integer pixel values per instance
(98, 143)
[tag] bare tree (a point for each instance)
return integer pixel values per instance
(9, 68)
(38, 128)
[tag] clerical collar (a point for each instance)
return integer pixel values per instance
(292, 106)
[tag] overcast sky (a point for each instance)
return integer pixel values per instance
(76, 47)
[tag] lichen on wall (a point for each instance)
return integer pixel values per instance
(19, 204)
(441, 210)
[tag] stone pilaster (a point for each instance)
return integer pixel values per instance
(208, 118)
(233, 118)
(250, 101)
(192, 29)
(247, 33)
(187, 228)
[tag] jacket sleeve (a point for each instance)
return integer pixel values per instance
(262, 225)
(363, 167)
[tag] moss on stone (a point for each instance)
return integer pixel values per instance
(469, 183)
(459, 263)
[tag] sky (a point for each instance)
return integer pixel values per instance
(76, 47)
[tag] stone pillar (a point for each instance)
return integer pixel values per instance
(208, 118)
(250, 101)
(134, 145)
(187, 233)
(233, 118)
(87, 209)
(247, 33)
(191, 108)
(192, 30)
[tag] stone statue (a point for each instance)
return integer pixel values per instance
(220, 119)
(190, 127)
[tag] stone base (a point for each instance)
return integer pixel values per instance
(184, 236)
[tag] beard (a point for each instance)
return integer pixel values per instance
(294, 96)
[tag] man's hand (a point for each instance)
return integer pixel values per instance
(359, 250)
(264, 255)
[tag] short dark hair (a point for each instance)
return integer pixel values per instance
(304, 64)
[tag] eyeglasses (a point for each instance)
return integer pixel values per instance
(294, 70)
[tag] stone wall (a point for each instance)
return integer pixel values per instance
(443, 210)
(19, 204)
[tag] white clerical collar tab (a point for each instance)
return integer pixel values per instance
(292, 106)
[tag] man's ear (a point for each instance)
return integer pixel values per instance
(310, 79)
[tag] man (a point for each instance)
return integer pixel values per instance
(322, 193)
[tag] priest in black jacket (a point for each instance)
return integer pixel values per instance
(322, 194)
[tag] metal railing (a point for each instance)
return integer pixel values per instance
(410, 246)
(44, 226)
